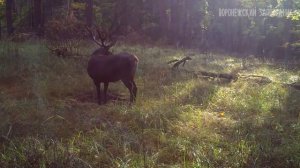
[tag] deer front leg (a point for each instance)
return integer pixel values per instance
(105, 91)
(98, 85)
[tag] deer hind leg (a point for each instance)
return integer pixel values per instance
(98, 85)
(132, 89)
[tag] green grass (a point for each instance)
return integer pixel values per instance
(178, 120)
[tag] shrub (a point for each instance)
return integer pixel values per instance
(65, 35)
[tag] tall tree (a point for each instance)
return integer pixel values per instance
(38, 19)
(0, 30)
(9, 16)
(89, 12)
(164, 19)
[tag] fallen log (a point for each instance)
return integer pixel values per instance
(220, 75)
(230, 77)
(212, 75)
(294, 85)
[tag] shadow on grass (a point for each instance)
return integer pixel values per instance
(273, 137)
(90, 96)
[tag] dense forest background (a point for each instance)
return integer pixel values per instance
(182, 23)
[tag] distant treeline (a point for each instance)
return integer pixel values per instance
(182, 23)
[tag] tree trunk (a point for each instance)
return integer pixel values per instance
(163, 17)
(9, 17)
(175, 22)
(15, 8)
(89, 13)
(0, 30)
(38, 22)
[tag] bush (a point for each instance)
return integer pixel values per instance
(64, 35)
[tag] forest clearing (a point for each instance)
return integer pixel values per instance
(192, 84)
(50, 115)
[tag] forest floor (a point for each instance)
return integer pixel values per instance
(49, 116)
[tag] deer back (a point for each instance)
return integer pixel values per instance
(111, 68)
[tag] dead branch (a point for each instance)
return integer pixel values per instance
(6, 137)
(179, 62)
(172, 61)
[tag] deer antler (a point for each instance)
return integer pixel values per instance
(105, 39)
(112, 33)
(93, 36)
(102, 36)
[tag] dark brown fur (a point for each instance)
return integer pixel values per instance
(105, 67)
(111, 68)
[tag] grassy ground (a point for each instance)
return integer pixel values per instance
(49, 106)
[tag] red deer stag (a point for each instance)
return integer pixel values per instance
(105, 67)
